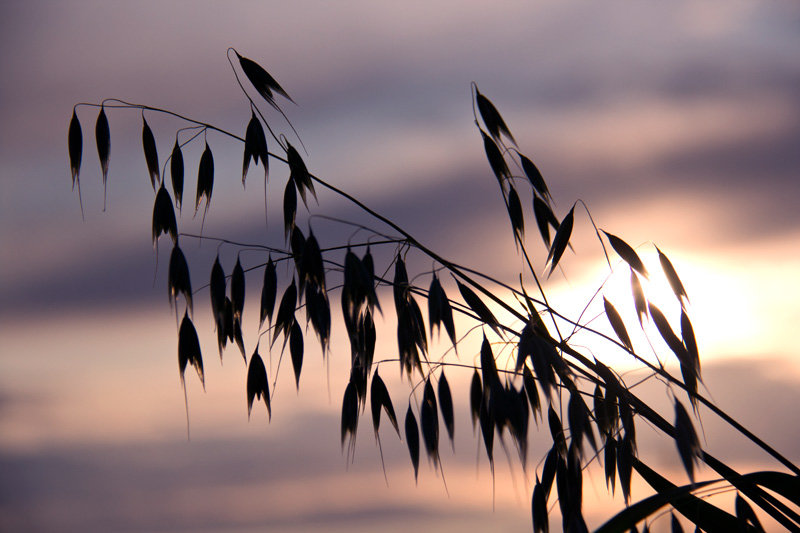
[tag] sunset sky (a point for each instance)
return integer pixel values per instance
(677, 123)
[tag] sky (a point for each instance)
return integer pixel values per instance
(676, 124)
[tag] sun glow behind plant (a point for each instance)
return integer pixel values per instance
(712, 88)
(731, 317)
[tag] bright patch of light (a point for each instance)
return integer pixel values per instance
(740, 304)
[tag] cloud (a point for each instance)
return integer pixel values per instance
(685, 116)
(293, 476)
(737, 187)
(694, 110)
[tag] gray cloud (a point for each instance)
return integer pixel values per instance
(181, 486)
(378, 87)
(456, 214)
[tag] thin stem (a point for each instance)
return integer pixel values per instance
(129, 105)
(597, 231)
(462, 273)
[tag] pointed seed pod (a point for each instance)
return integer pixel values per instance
(176, 171)
(478, 307)
(368, 265)
(255, 147)
(285, 317)
(400, 285)
(639, 301)
(429, 421)
(488, 366)
(75, 142)
(439, 310)
(446, 406)
(164, 216)
(189, 349)
(539, 509)
(475, 397)
(205, 178)
(318, 312)
(544, 219)
(150, 153)
(289, 207)
(380, 399)
(672, 340)
(627, 253)
(268, 292)
(487, 424)
(297, 242)
(257, 383)
(237, 290)
(686, 439)
(496, 161)
(261, 150)
(434, 305)
(531, 390)
(672, 277)
(515, 213)
(262, 81)
(249, 149)
(556, 431)
(549, 471)
(561, 240)
(690, 343)
(298, 172)
(625, 465)
(526, 346)
(217, 290)
(178, 279)
(534, 176)
(238, 338)
(412, 439)
(313, 266)
(610, 460)
(349, 412)
(296, 351)
(616, 322)
(491, 118)
(103, 138)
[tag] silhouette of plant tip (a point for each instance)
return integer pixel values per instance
(627, 253)
(491, 118)
(446, 406)
(255, 147)
(561, 240)
(102, 136)
(179, 282)
(176, 172)
(257, 384)
(672, 276)
(262, 81)
(150, 153)
(189, 349)
(164, 216)
(75, 143)
(412, 440)
(205, 178)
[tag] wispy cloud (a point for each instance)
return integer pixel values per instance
(677, 123)
(289, 477)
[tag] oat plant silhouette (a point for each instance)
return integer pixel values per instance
(528, 374)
